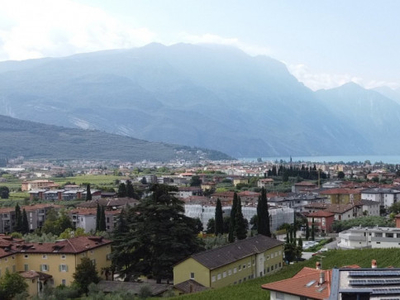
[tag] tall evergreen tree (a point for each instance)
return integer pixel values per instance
(312, 230)
(263, 226)
(240, 224)
(25, 223)
(122, 190)
(219, 221)
(307, 231)
(98, 216)
(88, 193)
(102, 223)
(231, 235)
(159, 235)
(130, 193)
(18, 219)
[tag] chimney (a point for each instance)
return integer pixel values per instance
(373, 264)
(321, 277)
(318, 265)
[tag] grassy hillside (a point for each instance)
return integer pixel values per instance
(35, 140)
(335, 258)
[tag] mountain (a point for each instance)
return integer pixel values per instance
(372, 115)
(389, 93)
(212, 97)
(34, 140)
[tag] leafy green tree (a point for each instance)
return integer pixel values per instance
(340, 174)
(56, 223)
(195, 181)
(199, 225)
(263, 226)
(130, 192)
(254, 222)
(88, 193)
(11, 284)
(232, 223)
(122, 190)
(394, 208)
(219, 221)
(210, 226)
(18, 219)
(240, 223)
(157, 235)
(25, 223)
(85, 274)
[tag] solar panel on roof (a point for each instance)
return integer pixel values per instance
(374, 273)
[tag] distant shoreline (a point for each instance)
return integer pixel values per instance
(388, 159)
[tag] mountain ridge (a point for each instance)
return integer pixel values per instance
(220, 99)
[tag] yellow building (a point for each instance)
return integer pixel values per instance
(51, 263)
(342, 195)
(233, 263)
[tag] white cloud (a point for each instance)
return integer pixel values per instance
(40, 28)
(317, 81)
(216, 39)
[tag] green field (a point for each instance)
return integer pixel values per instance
(334, 258)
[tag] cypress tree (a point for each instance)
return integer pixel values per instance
(25, 223)
(263, 215)
(231, 235)
(130, 193)
(219, 221)
(102, 226)
(98, 216)
(122, 190)
(18, 219)
(312, 230)
(88, 193)
(240, 224)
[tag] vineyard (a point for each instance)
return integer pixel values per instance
(334, 258)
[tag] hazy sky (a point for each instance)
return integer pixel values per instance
(323, 43)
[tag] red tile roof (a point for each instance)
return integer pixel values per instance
(305, 283)
(321, 213)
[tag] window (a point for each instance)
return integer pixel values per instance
(272, 268)
(224, 274)
(279, 296)
(229, 272)
(26, 256)
(280, 264)
(272, 255)
(378, 242)
(219, 276)
(235, 270)
(26, 267)
(63, 282)
(248, 265)
(44, 268)
(63, 256)
(63, 268)
(240, 267)
(44, 256)
(213, 278)
(192, 275)
(244, 266)
(267, 257)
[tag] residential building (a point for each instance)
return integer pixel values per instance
(240, 180)
(185, 192)
(370, 208)
(342, 212)
(308, 283)
(384, 196)
(85, 218)
(342, 195)
(323, 221)
(303, 186)
(232, 264)
(365, 283)
(51, 263)
(265, 183)
(298, 202)
(38, 184)
(366, 237)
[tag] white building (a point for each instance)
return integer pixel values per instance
(278, 216)
(364, 237)
(386, 197)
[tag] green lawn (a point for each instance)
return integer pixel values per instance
(335, 258)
